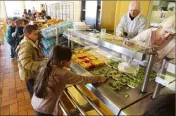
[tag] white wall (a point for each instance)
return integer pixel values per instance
(2, 10)
(14, 8)
(29, 5)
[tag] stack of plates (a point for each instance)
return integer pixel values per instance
(80, 26)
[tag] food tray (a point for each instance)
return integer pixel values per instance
(100, 70)
(126, 79)
(119, 87)
(113, 64)
(87, 60)
(113, 76)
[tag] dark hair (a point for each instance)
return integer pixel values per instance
(9, 19)
(25, 21)
(35, 25)
(163, 105)
(48, 17)
(58, 54)
(19, 21)
(29, 11)
(25, 13)
(40, 13)
(28, 29)
(14, 18)
(33, 16)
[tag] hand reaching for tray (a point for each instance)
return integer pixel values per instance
(102, 79)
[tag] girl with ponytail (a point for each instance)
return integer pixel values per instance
(51, 81)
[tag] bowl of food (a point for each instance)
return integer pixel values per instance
(128, 67)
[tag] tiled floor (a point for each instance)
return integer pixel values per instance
(14, 98)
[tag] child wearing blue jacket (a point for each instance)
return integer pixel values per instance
(10, 29)
(18, 34)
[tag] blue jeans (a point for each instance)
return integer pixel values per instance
(12, 52)
(12, 48)
(30, 86)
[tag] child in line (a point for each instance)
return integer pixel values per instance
(47, 18)
(26, 16)
(10, 29)
(29, 13)
(162, 105)
(26, 22)
(18, 34)
(39, 16)
(51, 81)
(30, 58)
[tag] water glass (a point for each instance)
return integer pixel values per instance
(103, 33)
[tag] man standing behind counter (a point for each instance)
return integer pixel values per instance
(131, 23)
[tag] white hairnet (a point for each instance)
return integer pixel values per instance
(169, 24)
(135, 5)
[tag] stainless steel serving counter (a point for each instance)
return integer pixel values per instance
(114, 100)
(118, 102)
(130, 102)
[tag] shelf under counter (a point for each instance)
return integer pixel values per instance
(114, 100)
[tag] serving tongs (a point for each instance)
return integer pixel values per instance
(108, 65)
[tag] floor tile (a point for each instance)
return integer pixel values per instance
(26, 95)
(24, 102)
(31, 112)
(20, 97)
(25, 107)
(13, 108)
(22, 113)
(5, 110)
(14, 97)
(9, 102)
